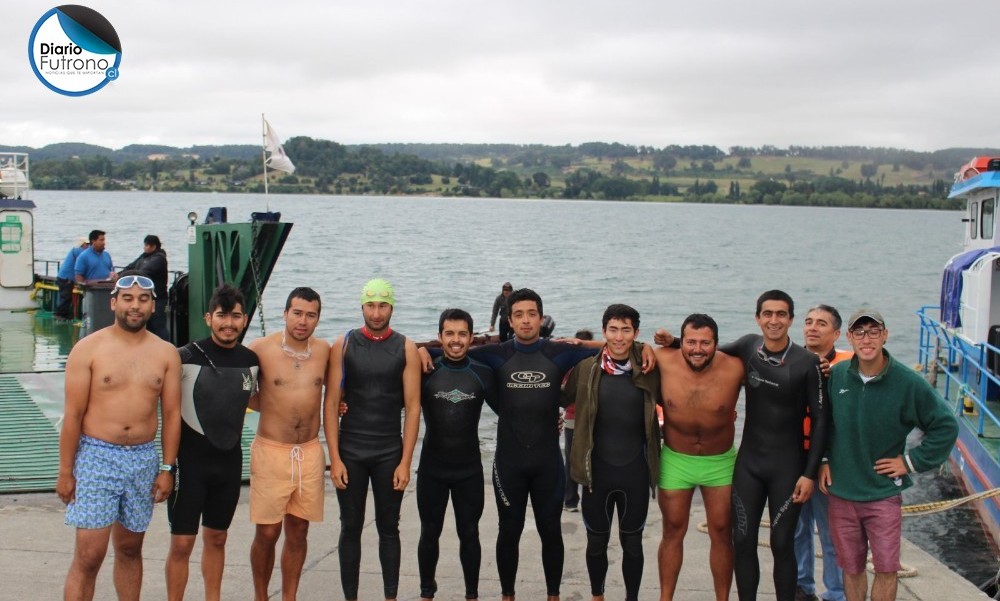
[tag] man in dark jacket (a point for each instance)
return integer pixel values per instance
(152, 263)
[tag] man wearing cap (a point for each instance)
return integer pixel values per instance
(66, 281)
(376, 372)
(94, 263)
(119, 380)
(500, 311)
(152, 263)
(286, 457)
(876, 402)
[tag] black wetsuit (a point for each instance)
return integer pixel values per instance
(371, 447)
(216, 385)
(620, 480)
(528, 461)
(771, 457)
(451, 399)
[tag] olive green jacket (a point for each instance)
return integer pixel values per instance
(582, 387)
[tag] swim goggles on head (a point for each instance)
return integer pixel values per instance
(135, 280)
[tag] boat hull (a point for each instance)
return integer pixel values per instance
(978, 470)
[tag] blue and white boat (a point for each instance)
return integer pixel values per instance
(959, 348)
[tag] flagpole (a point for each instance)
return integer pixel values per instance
(263, 156)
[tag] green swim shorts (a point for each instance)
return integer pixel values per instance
(681, 472)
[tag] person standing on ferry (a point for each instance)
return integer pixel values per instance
(376, 372)
(286, 457)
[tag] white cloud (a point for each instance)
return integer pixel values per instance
(891, 73)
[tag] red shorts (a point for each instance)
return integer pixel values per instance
(857, 526)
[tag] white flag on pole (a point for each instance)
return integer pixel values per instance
(278, 159)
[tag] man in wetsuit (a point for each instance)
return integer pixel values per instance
(286, 457)
(452, 398)
(783, 379)
(877, 402)
(376, 371)
(821, 330)
(616, 452)
(110, 473)
(218, 377)
(499, 311)
(700, 389)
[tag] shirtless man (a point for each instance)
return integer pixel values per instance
(109, 471)
(286, 458)
(700, 388)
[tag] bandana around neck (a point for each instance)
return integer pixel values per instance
(613, 368)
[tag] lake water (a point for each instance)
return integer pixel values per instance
(666, 260)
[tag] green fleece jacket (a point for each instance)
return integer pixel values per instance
(872, 420)
(582, 387)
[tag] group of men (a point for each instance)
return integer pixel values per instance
(372, 373)
(88, 261)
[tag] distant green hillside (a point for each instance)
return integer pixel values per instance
(853, 176)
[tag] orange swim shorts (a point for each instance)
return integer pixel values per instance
(286, 478)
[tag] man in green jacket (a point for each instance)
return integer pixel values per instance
(876, 402)
(615, 452)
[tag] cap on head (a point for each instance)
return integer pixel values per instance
(81, 240)
(378, 290)
(507, 286)
(865, 313)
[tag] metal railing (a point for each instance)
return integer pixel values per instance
(965, 364)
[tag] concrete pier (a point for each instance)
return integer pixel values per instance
(36, 549)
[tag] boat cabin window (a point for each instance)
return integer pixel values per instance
(973, 220)
(987, 220)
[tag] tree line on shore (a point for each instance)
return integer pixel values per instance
(817, 176)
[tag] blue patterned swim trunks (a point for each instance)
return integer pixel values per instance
(113, 483)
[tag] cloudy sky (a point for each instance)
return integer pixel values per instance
(911, 74)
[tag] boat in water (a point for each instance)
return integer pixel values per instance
(959, 340)
(34, 345)
(14, 176)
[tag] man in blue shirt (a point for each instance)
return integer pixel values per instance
(94, 263)
(66, 281)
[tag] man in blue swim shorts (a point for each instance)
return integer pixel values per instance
(110, 473)
(700, 388)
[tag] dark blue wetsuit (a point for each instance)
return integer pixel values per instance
(771, 457)
(451, 399)
(371, 447)
(216, 384)
(528, 461)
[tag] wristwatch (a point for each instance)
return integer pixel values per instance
(168, 468)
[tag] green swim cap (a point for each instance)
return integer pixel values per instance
(378, 291)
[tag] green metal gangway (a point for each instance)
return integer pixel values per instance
(29, 444)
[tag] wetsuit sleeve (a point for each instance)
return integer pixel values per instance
(488, 353)
(490, 389)
(740, 347)
(819, 418)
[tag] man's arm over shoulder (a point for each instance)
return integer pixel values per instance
(741, 347)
